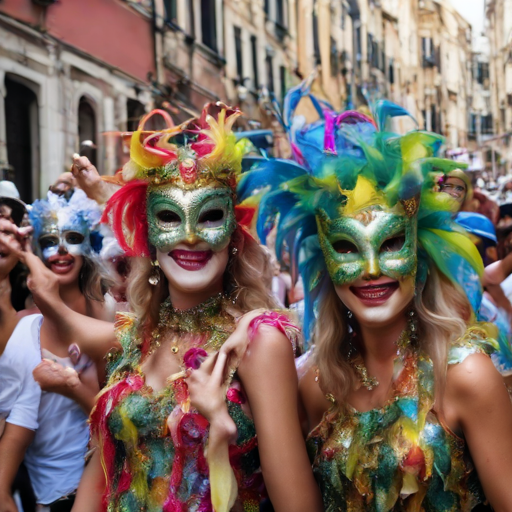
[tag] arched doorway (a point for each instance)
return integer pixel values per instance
(22, 133)
(87, 133)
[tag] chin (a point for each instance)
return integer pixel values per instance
(378, 313)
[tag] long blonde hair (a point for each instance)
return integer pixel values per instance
(246, 280)
(443, 314)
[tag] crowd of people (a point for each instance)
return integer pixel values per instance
(213, 331)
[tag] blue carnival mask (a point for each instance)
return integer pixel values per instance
(64, 227)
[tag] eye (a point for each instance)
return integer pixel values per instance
(211, 216)
(393, 244)
(74, 238)
(168, 216)
(48, 241)
(345, 247)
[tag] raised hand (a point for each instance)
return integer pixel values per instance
(89, 179)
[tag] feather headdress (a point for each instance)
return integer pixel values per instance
(199, 153)
(360, 166)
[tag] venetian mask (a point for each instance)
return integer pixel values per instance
(369, 241)
(176, 215)
(64, 227)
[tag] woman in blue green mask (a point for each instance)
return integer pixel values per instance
(404, 408)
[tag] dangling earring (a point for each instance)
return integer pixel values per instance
(154, 278)
(413, 325)
(234, 250)
(350, 315)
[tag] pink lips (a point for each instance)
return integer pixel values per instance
(61, 264)
(374, 295)
(191, 260)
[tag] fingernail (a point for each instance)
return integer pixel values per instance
(75, 156)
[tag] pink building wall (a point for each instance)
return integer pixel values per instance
(109, 30)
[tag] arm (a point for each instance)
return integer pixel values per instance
(13, 445)
(269, 378)
(484, 414)
(91, 488)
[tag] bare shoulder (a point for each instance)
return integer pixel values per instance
(475, 378)
(270, 341)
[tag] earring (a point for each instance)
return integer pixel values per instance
(154, 278)
(413, 326)
(234, 250)
(349, 314)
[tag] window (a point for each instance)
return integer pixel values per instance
(238, 50)
(282, 78)
(482, 73)
(280, 20)
(269, 63)
(191, 22)
(171, 11)
(316, 43)
(209, 24)
(87, 129)
(266, 8)
(433, 119)
(428, 53)
(391, 72)
(135, 110)
(486, 125)
(335, 58)
(254, 51)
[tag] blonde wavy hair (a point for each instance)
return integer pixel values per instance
(247, 280)
(443, 314)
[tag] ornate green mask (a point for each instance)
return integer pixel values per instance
(192, 216)
(368, 244)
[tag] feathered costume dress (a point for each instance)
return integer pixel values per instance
(399, 457)
(153, 443)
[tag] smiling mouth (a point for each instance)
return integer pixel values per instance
(374, 295)
(62, 264)
(191, 260)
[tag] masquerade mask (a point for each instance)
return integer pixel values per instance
(62, 227)
(64, 241)
(192, 216)
(369, 238)
(372, 243)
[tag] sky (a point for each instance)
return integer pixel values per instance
(473, 11)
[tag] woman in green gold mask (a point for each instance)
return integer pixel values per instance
(405, 410)
(195, 272)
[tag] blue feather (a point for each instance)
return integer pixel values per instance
(384, 110)
(267, 173)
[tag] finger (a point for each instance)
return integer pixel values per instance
(218, 370)
(80, 162)
(8, 226)
(208, 364)
(11, 244)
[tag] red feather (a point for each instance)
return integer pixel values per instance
(126, 214)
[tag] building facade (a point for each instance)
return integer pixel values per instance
(74, 74)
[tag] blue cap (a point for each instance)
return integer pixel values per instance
(478, 225)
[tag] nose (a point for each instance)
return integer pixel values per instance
(62, 249)
(372, 268)
(191, 237)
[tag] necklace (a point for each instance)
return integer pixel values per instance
(356, 361)
(206, 325)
